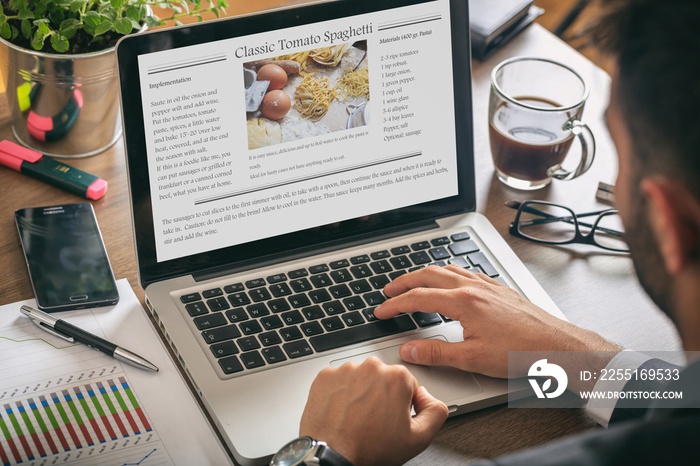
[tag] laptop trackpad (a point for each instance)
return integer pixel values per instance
(444, 383)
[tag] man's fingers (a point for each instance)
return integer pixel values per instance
(431, 414)
(429, 277)
(453, 303)
(421, 300)
(433, 352)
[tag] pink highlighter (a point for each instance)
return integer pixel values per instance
(44, 168)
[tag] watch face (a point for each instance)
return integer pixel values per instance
(293, 452)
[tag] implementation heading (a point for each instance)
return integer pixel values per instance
(169, 83)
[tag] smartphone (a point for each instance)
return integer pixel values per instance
(66, 257)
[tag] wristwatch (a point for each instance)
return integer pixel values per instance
(309, 452)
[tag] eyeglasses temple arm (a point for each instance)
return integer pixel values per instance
(569, 219)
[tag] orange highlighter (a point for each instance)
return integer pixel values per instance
(44, 168)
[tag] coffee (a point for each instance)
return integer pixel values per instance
(535, 107)
(521, 146)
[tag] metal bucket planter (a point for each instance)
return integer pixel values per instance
(62, 105)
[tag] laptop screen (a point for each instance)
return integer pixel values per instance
(265, 134)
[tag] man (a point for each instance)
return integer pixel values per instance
(363, 412)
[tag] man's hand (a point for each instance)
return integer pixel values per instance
(495, 319)
(364, 413)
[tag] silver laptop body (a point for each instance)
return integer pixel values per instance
(229, 202)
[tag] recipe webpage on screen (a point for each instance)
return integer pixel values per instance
(267, 134)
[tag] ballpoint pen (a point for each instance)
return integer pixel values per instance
(71, 333)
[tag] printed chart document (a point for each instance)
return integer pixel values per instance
(63, 403)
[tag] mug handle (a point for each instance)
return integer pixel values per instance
(585, 136)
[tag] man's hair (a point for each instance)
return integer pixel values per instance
(656, 46)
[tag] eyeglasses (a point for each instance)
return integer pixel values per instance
(547, 223)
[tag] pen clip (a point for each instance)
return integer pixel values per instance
(44, 322)
(53, 332)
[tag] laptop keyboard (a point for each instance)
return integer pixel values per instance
(268, 320)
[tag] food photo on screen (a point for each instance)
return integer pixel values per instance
(304, 94)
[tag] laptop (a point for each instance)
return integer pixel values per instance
(283, 167)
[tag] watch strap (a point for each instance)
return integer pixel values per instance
(329, 457)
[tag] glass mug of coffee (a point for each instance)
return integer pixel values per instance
(535, 108)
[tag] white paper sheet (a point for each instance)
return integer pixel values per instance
(63, 403)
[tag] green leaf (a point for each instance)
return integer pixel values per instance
(123, 26)
(15, 33)
(108, 13)
(69, 27)
(103, 27)
(25, 14)
(133, 12)
(59, 43)
(42, 28)
(5, 31)
(39, 10)
(92, 18)
(152, 22)
(38, 41)
(56, 16)
(26, 26)
(69, 33)
(90, 21)
(76, 5)
(70, 23)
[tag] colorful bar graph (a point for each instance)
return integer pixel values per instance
(122, 404)
(135, 404)
(100, 412)
(88, 413)
(3, 456)
(66, 420)
(54, 423)
(71, 418)
(42, 426)
(10, 441)
(112, 409)
(78, 418)
(18, 430)
(30, 428)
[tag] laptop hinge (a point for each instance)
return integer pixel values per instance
(308, 251)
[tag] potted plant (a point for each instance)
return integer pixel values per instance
(59, 66)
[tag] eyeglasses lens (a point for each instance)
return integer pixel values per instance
(545, 222)
(609, 232)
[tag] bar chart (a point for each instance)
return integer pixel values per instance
(86, 419)
(84, 411)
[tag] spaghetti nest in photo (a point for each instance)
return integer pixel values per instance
(313, 97)
(353, 84)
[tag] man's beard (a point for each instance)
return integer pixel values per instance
(646, 253)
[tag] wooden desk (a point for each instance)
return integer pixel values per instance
(594, 289)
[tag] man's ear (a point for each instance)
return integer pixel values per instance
(675, 219)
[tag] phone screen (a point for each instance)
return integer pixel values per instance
(67, 260)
